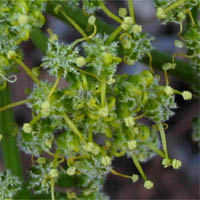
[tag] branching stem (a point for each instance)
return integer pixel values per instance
(131, 9)
(12, 105)
(109, 13)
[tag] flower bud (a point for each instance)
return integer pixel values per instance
(129, 121)
(187, 95)
(107, 58)
(71, 171)
(137, 28)
(148, 184)
(160, 13)
(103, 112)
(166, 162)
(134, 178)
(23, 19)
(53, 173)
(169, 90)
(122, 12)
(128, 20)
(106, 160)
(81, 61)
(91, 20)
(45, 109)
(132, 144)
(27, 128)
(176, 164)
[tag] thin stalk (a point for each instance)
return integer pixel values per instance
(103, 90)
(12, 105)
(73, 127)
(174, 5)
(27, 70)
(35, 119)
(163, 138)
(131, 9)
(156, 150)
(53, 89)
(139, 167)
(74, 24)
(109, 13)
(119, 174)
(113, 35)
(88, 73)
(52, 189)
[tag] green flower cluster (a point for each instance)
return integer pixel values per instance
(17, 19)
(97, 103)
(173, 10)
(9, 185)
(195, 130)
(90, 6)
(192, 41)
(134, 43)
(78, 130)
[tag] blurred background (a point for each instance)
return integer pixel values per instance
(168, 183)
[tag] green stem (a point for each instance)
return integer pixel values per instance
(53, 89)
(131, 9)
(113, 35)
(139, 167)
(103, 90)
(27, 70)
(109, 13)
(163, 138)
(73, 127)
(11, 156)
(182, 71)
(12, 105)
(174, 5)
(156, 150)
(119, 174)
(74, 24)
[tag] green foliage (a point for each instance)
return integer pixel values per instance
(9, 184)
(196, 130)
(63, 135)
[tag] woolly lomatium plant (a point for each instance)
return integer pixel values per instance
(63, 135)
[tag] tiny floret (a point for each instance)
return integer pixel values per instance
(122, 12)
(137, 28)
(160, 13)
(103, 112)
(178, 43)
(129, 121)
(81, 61)
(45, 110)
(168, 66)
(128, 20)
(71, 171)
(169, 90)
(1, 136)
(11, 54)
(53, 173)
(148, 184)
(132, 144)
(176, 164)
(23, 19)
(91, 20)
(134, 178)
(166, 162)
(187, 95)
(107, 58)
(27, 128)
(106, 160)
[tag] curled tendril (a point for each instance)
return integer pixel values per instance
(10, 79)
